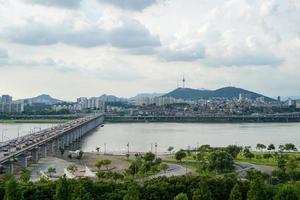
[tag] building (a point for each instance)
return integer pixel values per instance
(6, 99)
(298, 104)
(11, 108)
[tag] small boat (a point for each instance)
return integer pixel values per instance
(102, 125)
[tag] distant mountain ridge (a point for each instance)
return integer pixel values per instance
(226, 92)
(41, 99)
(111, 98)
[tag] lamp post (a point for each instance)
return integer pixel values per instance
(3, 134)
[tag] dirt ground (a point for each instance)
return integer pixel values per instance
(89, 159)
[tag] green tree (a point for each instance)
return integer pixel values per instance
(106, 163)
(62, 191)
(99, 164)
(220, 161)
(170, 149)
(179, 155)
(290, 147)
(248, 154)
(51, 171)
(271, 147)
(260, 146)
(25, 176)
(235, 193)
(132, 193)
(287, 192)
(12, 191)
(80, 155)
(149, 156)
(203, 193)
(233, 150)
(257, 190)
(181, 196)
(72, 168)
(80, 193)
(97, 149)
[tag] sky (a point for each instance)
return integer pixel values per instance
(72, 48)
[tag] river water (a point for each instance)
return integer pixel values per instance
(113, 138)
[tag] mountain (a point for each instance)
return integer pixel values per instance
(226, 92)
(150, 95)
(111, 98)
(41, 99)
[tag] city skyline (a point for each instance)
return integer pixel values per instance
(85, 48)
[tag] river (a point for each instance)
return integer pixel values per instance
(113, 138)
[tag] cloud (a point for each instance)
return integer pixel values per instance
(183, 54)
(136, 5)
(258, 58)
(131, 34)
(3, 57)
(58, 3)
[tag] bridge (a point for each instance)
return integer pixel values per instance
(29, 148)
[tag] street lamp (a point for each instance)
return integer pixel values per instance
(3, 134)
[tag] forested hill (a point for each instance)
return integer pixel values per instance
(226, 92)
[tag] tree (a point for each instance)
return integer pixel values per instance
(281, 148)
(99, 164)
(290, 147)
(287, 192)
(233, 150)
(149, 156)
(220, 161)
(80, 154)
(203, 193)
(179, 155)
(97, 149)
(25, 176)
(12, 191)
(170, 149)
(257, 190)
(106, 163)
(72, 168)
(248, 154)
(181, 196)
(260, 146)
(271, 147)
(164, 167)
(62, 191)
(132, 193)
(235, 193)
(281, 163)
(51, 170)
(80, 193)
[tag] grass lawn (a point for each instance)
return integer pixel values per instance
(261, 161)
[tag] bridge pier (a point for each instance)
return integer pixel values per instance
(44, 151)
(9, 167)
(51, 147)
(35, 155)
(23, 161)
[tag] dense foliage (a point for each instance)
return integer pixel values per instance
(184, 187)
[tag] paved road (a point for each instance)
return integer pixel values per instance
(173, 170)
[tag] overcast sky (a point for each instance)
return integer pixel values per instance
(71, 48)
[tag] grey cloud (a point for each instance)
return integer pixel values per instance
(3, 57)
(58, 3)
(246, 59)
(182, 54)
(131, 35)
(136, 5)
